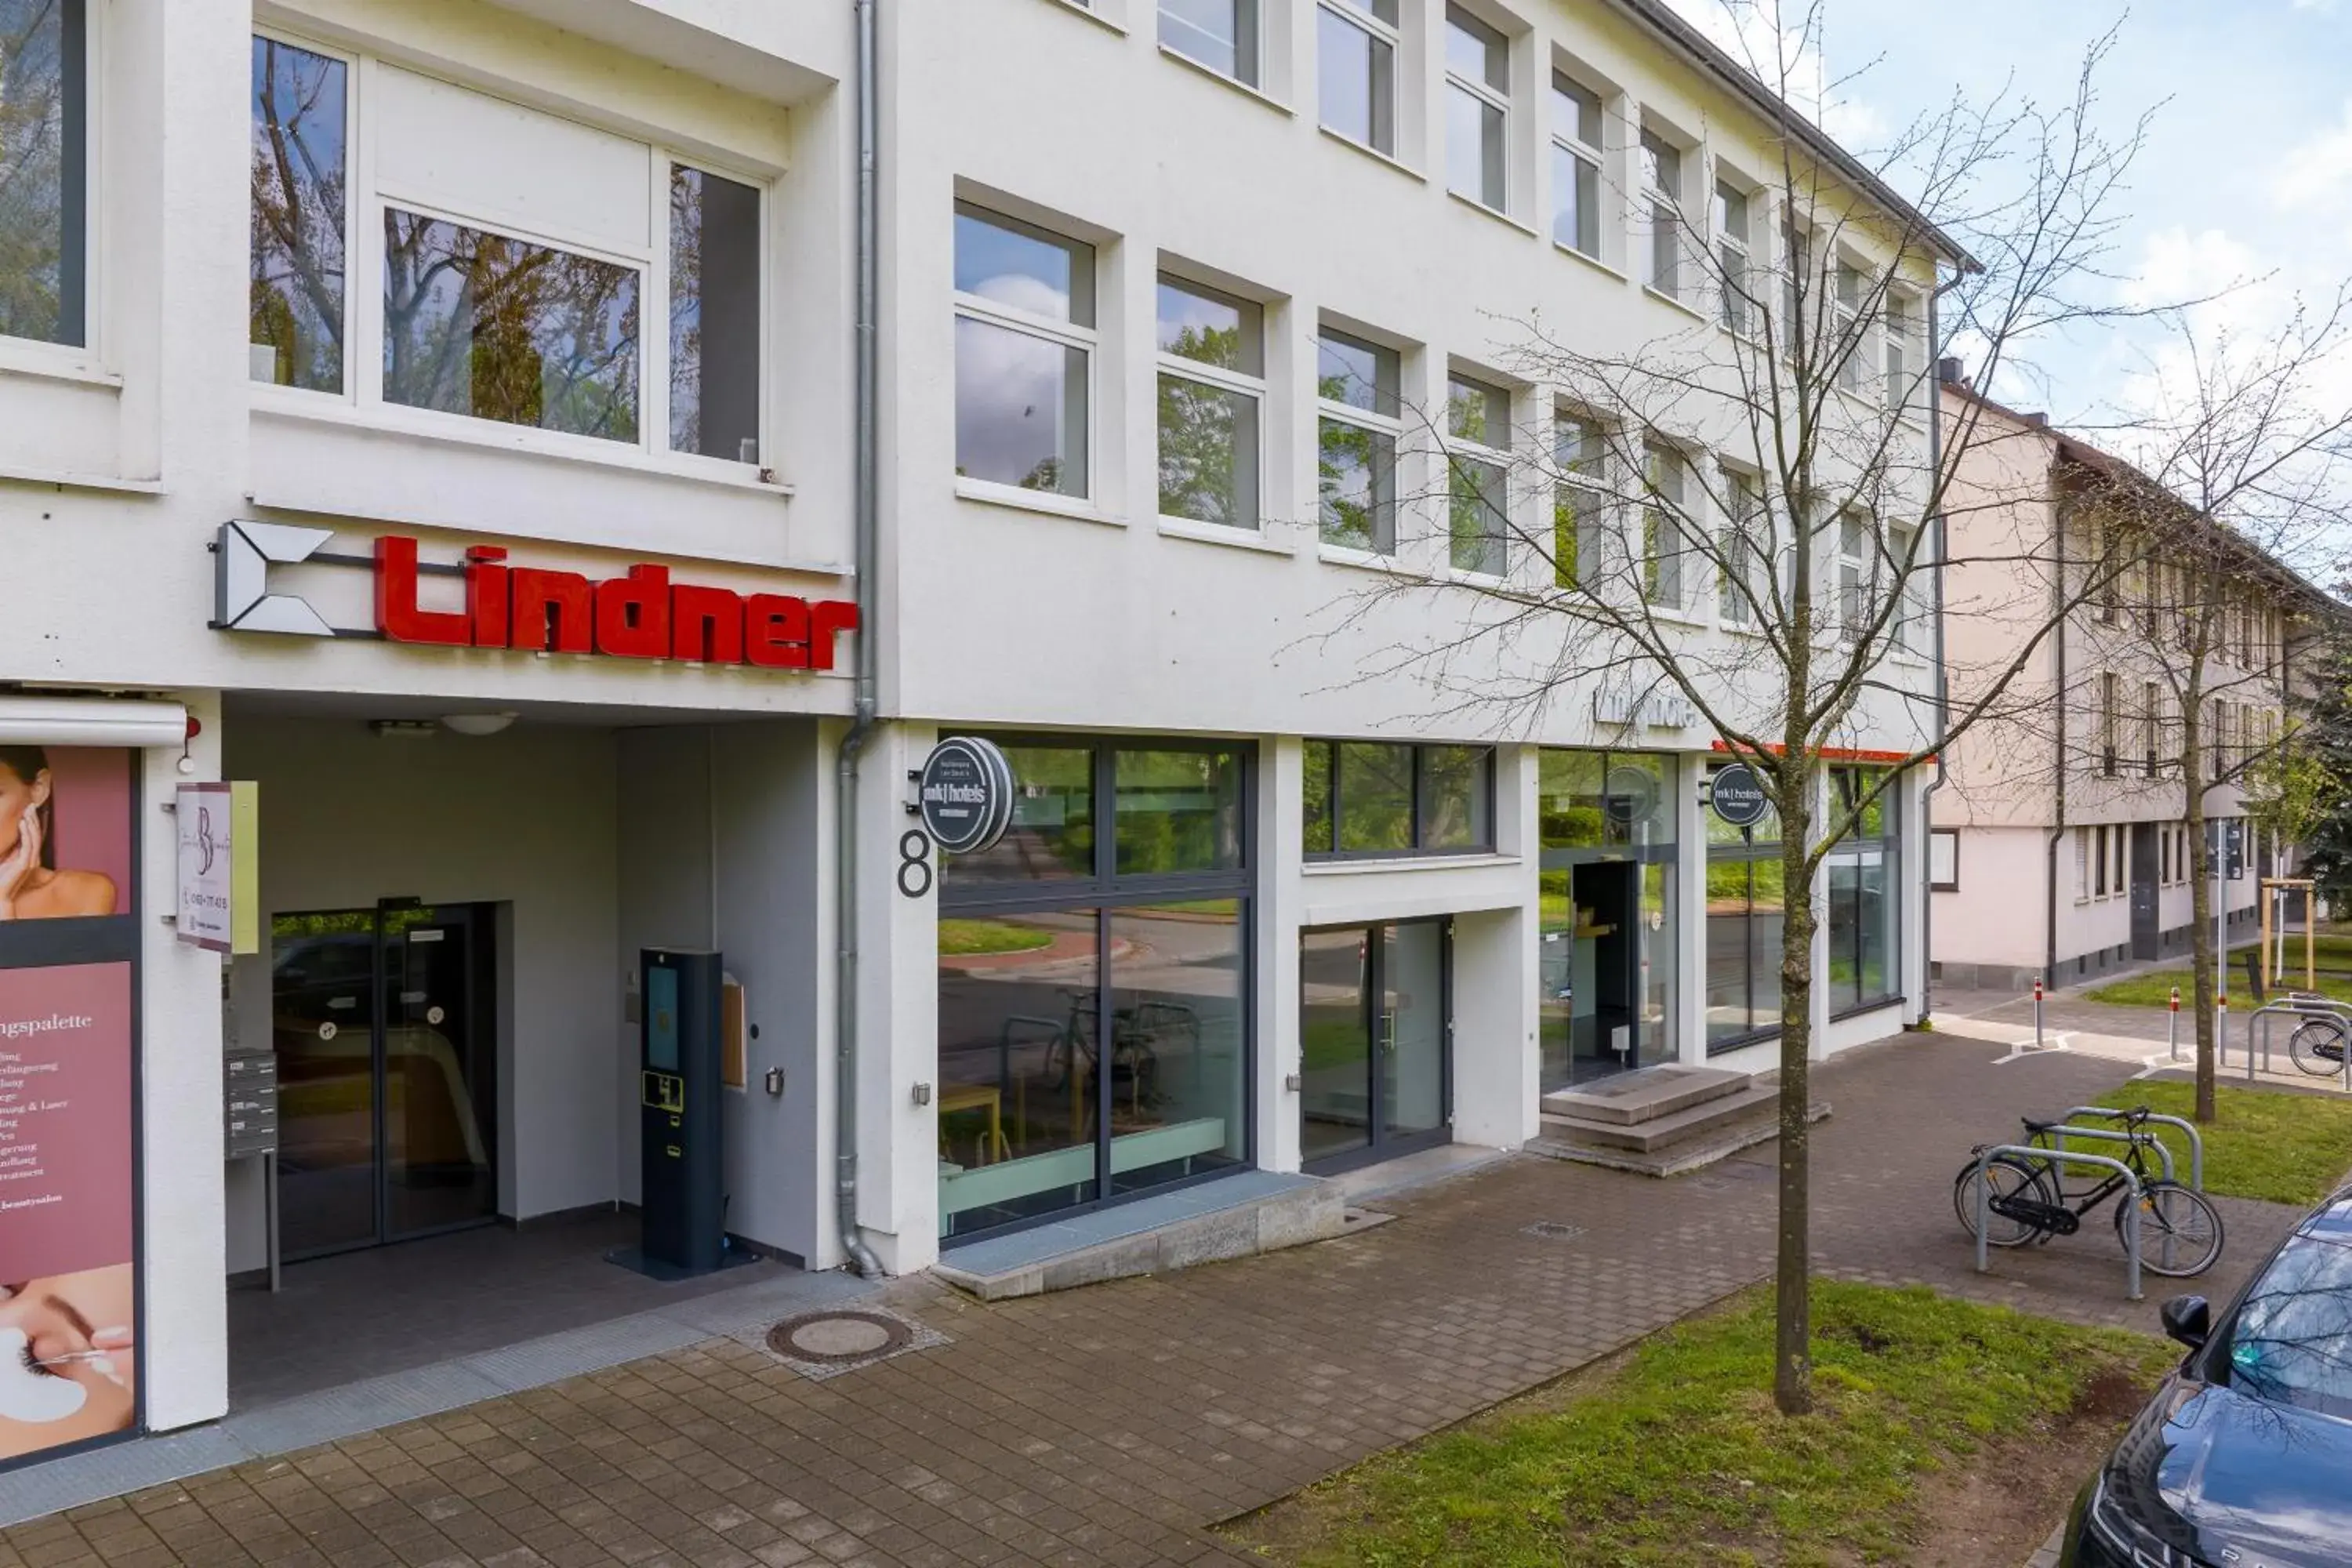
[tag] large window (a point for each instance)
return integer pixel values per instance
(44, 171)
(1211, 390)
(538, 323)
(1377, 799)
(1025, 353)
(1356, 425)
(1576, 137)
(1743, 548)
(1094, 975)
(1744, 926)
(1864, 885)
(1478, 460)
(1356, 53)
(1477, 109)
(1221, 34)
(1732, 240)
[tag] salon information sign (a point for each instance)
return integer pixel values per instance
(207, 867)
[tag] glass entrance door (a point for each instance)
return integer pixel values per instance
(387, 1073)
(1375, 1024)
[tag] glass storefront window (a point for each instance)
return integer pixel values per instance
(1456, 798)
(1744, 923)
(1018, 1017)
(1177, 811)
(1863, 879)
(1378, 798)
(1179, 1056)
(1052, 832)
(1607, 913)
(1092, 1037)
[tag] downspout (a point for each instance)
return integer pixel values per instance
(1943, 694)
(867, 482)
(2059, 618)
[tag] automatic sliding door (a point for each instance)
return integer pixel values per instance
(322, 1027)
(439, 1069)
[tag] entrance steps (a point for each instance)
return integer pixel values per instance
(1663, 1120)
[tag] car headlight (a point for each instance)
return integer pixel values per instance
(2128, 1542)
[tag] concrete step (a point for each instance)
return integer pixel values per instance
(1645, 1094)
(1700, 1145)
(1656, 1133)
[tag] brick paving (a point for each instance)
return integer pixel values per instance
(1110, 1425)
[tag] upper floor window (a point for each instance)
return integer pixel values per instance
(1663, 546)
(1221, 34)
(2110, 724)
(1732, 218)
(1853, 571)
(1356, 52)
(1743, 586)
(1662, 187)
(44, 171)
(1846, 306)
(1898, 352)
(1025, 337)
(1211, 396)
(1575, 165)
(538, 323)
(1910, 573)
(1358, 425)
(1477, 455)
(2151, 722)
(1478, 107)
(1375, 798)
(1580, 514)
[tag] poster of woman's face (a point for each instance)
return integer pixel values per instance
(65, 831)
(67, 1366)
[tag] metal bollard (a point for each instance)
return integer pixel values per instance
(2172, 1028)
(2037, 1012)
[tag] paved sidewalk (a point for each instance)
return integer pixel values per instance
(1110, 1425)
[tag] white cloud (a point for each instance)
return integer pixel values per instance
(2316, 174)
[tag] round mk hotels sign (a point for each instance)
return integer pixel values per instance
(1738, 797)
(964, 795)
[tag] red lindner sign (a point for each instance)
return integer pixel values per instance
(640, 614)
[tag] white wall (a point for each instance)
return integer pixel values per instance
(525, 818)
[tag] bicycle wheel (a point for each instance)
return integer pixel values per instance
(2317, 1047)
(2180, 1232)
(2009, 1176)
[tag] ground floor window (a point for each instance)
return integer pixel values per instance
(1744, 923)
(1865, 874)
(1607, 912)
(1094, 1029)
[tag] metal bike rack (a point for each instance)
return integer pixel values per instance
(2061, 1131)
(2196, 1141)
(2303, 1008)
(2131, 1191)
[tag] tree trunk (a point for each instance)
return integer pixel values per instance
(1792, 1351)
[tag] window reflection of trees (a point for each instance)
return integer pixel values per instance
(39, 134)
(482, 324)
(298, 188)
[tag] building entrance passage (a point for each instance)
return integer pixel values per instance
(1599, 960)
(1376, 1017)
(2145, 926)
(387, 1074)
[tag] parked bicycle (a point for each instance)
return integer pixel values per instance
(2029, 1201)
(2317, 1043)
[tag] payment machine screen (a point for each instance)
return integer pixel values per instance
(661, 1014)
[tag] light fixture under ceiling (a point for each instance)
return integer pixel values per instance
(478, 724)
(402, 728)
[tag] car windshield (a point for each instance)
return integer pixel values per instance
(2292, 1342)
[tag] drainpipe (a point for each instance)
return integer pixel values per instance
(2059, 618)
(1943, 694)
(868, 512)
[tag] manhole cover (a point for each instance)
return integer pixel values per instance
(838, 1337)
(1554, 1230)
(833, 1340)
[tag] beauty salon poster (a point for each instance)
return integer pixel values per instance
(68, 1360)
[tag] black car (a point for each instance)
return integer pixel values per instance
(2243, 1459)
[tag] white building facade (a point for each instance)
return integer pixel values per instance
(450, 428)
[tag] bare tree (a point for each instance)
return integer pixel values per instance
(2238, 466)
(1776, 466)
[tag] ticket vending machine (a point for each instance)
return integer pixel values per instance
(679, 1079)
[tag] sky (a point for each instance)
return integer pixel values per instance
(2245, 178)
